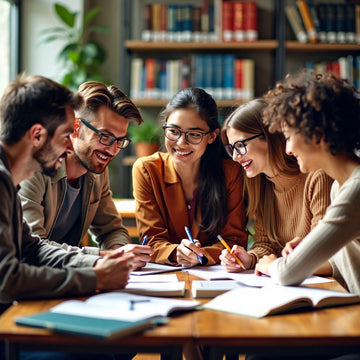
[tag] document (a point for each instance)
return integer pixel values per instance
(275, 299)
(108, 314)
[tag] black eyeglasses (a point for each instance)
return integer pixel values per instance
(192, 136)
(240, 146)
(107, 139)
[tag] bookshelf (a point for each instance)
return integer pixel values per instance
(275, 53)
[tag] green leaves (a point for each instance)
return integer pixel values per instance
(80, 57)
(65, 15)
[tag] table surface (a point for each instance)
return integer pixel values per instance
(330, 327)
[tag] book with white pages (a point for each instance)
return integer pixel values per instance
(248, 277)
(275, 299)
(153, 268)
(107, 315)
(166, 289)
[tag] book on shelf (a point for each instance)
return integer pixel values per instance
(307, 20)
(239, 21)
(276, 299)
(350, 23)
(227, 21)
(208, 21)
(107, 315)
(295, 22)
(321, 14)
(155, 78)
(340, 23)
(251, 20)
(330, 22)
(357, 23)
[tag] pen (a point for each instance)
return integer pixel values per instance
(229, 250)
(192, 240)
(144, 240)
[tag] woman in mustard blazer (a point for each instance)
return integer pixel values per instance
(193, 185)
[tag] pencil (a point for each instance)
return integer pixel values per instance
(188, 233)
(227, 247)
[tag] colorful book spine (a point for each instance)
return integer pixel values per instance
(146, 34)
(227, 20)
(307, 20)
(295, 23)
(239, 21)
(340, 24)
(330, 22)
(251, 20)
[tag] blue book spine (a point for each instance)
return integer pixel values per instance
(218, 77)
(228, 80)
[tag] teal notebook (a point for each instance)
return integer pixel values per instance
(83, 325)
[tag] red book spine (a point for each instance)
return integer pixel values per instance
(250, 21)
(238, 79)
(239, 28)
(227, 20)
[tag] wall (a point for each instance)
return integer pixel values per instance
(38, 15)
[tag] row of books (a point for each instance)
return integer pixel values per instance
(346, 67)
(324, 22)
(226, 77)
(215, 20)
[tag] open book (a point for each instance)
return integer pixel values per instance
(274, 299)
(108, 314)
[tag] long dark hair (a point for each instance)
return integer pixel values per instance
(211, 191)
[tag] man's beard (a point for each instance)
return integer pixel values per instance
(40, 157)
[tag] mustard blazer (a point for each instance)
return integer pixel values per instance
(161, 211)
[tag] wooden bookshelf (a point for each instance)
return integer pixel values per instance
(295, 46)
(142, 46)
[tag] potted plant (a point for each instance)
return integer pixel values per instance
(80, 57)
(146, 137)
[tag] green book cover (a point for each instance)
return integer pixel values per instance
(83, 325)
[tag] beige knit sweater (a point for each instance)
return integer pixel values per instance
(299, 205)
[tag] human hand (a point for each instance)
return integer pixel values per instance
(142, 254)
(113, 270)
(262, 267)
(187, 252)
(229, 262)
(290, 246)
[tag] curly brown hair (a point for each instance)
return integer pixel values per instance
(317, 106)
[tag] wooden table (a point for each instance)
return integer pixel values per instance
(330, 330)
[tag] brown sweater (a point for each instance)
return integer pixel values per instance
(299, 205)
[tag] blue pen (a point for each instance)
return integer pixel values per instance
(144, 240)
(192, 240)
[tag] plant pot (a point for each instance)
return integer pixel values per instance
(145, 149)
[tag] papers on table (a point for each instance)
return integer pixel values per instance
(217, 272)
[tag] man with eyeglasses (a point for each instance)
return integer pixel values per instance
(78, 198)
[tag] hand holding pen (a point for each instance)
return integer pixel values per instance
(227, 247)
(188, 233)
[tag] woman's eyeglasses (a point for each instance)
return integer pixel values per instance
(192, 136)
(240, 146)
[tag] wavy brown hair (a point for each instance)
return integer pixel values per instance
(98, 94)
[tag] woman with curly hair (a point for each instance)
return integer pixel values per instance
(283, 202)
(320, 118)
